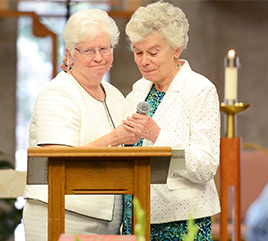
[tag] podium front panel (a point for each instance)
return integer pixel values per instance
(95, 177)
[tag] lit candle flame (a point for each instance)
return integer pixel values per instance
(231, 53)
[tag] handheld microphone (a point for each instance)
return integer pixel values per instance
(143, 108)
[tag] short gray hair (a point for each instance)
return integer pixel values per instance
(85, 24)
(169, 21)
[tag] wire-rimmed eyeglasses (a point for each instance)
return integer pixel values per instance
(89, 52)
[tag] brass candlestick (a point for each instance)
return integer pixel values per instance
(231, 111)
(230, 149)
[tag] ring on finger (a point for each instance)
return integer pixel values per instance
(132, 123)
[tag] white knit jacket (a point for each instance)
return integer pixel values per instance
(189, 119)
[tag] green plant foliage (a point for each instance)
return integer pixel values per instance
(10, 216)
(140, 227)
(192, 230)
(76, 238)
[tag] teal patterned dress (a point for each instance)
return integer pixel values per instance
(165, 231)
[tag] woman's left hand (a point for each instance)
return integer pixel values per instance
(64, 66)
(143, 126)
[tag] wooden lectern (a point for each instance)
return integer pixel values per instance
(103, 170)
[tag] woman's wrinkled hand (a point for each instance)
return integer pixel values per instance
(64, 66)
(124, 136)
(143, 126)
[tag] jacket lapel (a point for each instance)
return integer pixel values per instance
(170, 97)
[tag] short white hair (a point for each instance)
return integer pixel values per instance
(86, 25)
(169, 21)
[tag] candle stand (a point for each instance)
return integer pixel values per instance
(230, 148)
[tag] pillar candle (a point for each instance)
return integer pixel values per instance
(231, 72)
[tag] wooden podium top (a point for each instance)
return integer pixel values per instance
(37, 172)
(55, 151)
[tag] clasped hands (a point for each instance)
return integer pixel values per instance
(142, 126)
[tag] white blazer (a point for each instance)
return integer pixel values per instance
(189, 119)
(66, 114)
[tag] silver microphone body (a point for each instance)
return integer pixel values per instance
(143, 108)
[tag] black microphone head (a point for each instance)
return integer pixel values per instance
(143, 108)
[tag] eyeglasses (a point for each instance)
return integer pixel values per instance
(89, 52)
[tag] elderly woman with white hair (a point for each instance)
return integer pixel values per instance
(78, 108)
(184, 114)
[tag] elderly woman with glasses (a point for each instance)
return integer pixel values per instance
(184, 114)
(78, 108)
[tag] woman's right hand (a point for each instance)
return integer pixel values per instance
(117, 137)
(123, 136)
